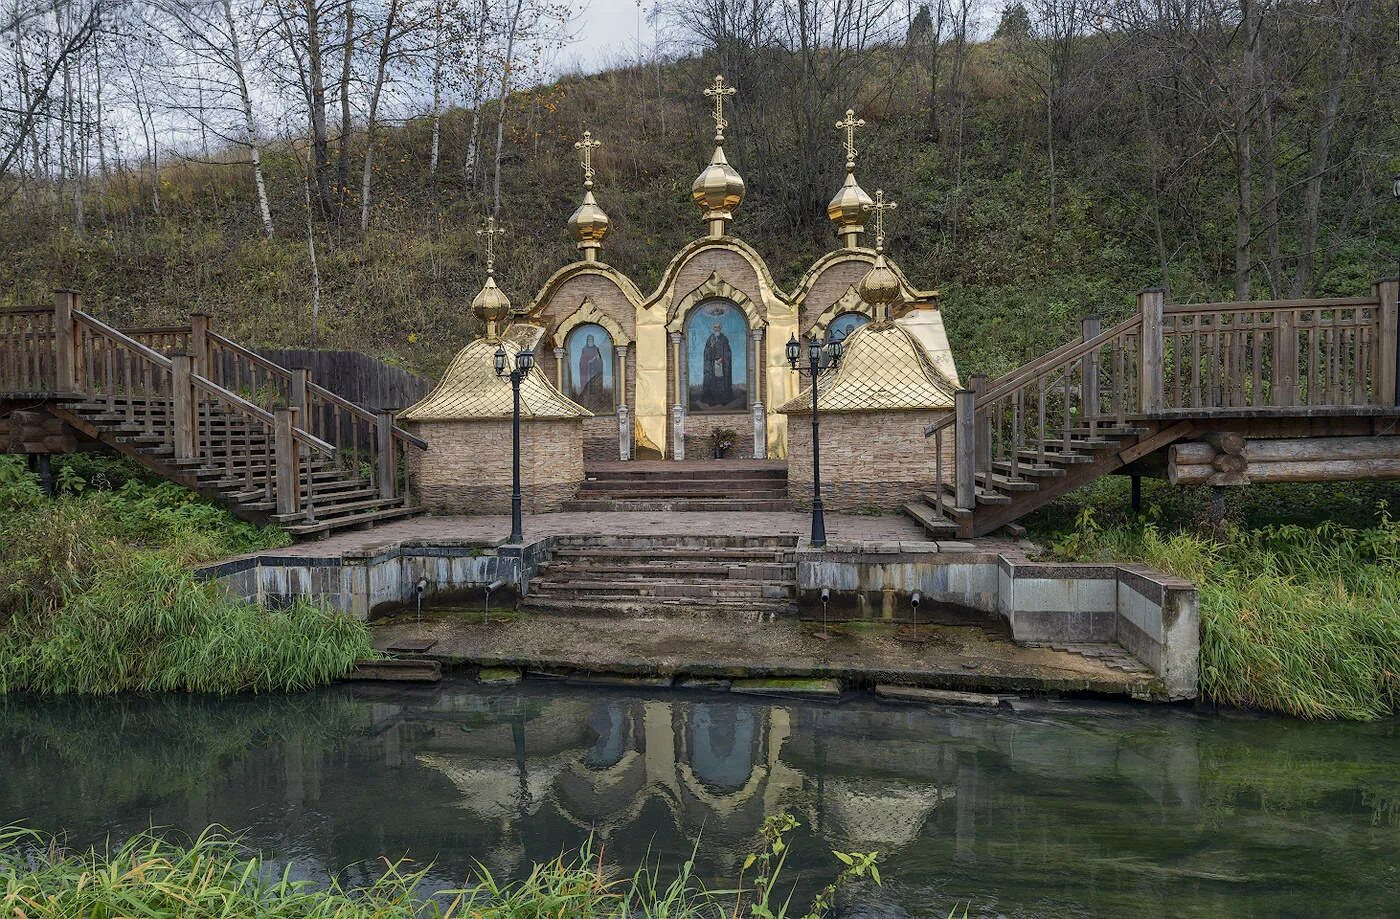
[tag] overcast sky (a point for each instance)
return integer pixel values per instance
(606, 34)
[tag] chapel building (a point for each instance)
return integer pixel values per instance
(654, 375)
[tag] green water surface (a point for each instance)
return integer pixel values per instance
(1062, 811)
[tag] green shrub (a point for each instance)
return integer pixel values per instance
(98, 593)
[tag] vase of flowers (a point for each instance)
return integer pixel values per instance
(724, 440)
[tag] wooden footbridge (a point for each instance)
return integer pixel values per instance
(199, 409)
(1208, 393)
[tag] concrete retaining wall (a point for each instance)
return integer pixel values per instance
(1151, 614)
(362, 584)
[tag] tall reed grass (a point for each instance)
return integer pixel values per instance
(97, 596)
(1302, 619)
(212, 876)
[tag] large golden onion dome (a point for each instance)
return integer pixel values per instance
(847, 209)
(718, 189)
(589, 224)
(880, 286)
(491, 305)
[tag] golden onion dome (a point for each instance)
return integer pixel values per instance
(718, 189)
(589, 224)
(847, 209)
(880, 286)
(491, 304)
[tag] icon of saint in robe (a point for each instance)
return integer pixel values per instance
(717, 387)
(591, 388)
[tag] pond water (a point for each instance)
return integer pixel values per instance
(1111, 811)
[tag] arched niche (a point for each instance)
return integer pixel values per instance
(715, 356)
(848, 304)
(590, 368)
(714, 288)
(588, 312)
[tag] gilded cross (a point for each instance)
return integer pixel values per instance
(879, 207)
(490, 231)
(849, 125)
(586, 148)
(718, 91)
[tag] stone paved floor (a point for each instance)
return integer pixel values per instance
(839, 527)
(957, 657)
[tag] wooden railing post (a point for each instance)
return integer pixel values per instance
(65, 341)
(978, 384)
(182, 405)
(1089, 329)
(1152, 359)
(965, 445)
(200, 324)
(287, 474)
(1388, 348)
(388, 467)
(301, 376)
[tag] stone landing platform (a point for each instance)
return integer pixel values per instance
(683, 596)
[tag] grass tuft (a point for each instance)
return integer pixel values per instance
(98, 596)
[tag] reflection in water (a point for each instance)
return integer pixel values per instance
(1108, 814)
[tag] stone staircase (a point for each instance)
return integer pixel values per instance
(718, 485)
(746, 577)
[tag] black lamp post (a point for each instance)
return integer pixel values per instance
(1395, 191)
(816, 351)
(524, 363)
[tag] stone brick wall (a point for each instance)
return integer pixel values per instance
(467, 466)
(592, 284)
(699, 428)
(829, 287)
(870, 460)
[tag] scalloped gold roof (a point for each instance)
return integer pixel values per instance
(471, 390)
(884, 367)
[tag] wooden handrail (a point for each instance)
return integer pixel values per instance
(258, 413)
(1043, 366)
(26, 310)
(312, 387)
(1268, 306)
(103, 329)
(251, 355)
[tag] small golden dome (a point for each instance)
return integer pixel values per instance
(880, 286)
(847, 209)
(589, 224)
(718, 189)
(491, 304)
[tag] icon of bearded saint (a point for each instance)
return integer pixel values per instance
(592, 391)
(717, 389)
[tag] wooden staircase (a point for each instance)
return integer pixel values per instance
(181, 402)
(1113, 398)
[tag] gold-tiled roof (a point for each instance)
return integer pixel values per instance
(470, 388)
(884, 368)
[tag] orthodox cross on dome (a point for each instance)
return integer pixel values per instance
(879, 207)
(490, 231)
(849, 125)
(586, 148)
(717, 91)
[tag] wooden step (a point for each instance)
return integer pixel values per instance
(330, 509)
(1030, 469)
(930, 519)
(372, 517)
(983, 495)
(1005, 483)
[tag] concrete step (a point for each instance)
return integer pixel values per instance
(746, 570)
(701, 491)
(718, 471)
(746, 610)
(702, 553)
(756, 505)
(658, 587)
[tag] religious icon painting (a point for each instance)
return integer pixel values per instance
(717, 360)
(841, 328)
(590, 374)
